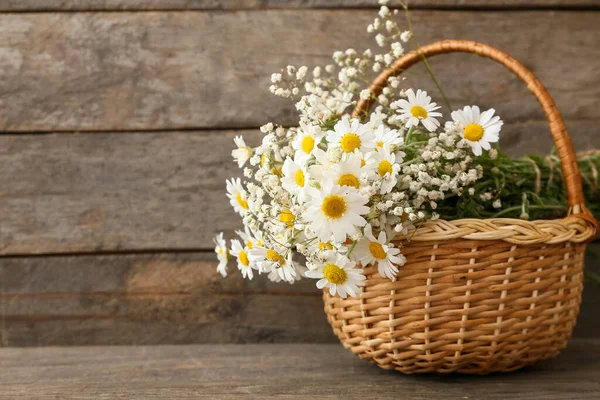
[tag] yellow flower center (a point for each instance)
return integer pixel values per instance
(473, 132)
(350, 142)
(272, 255)
(223, 250)
(362, 163)
(384, 168)
(259, 243)
(404, 217)
(380, 144)
(247, 149)
(249, 244)
(348, 180)
(307, 145)
(243, 203)
(377, 250)
(263, 160)
(287, 217)
(418, 112)
(299, 178)
(334, 206)
(243, 257)
(325, 246)
(335, 274)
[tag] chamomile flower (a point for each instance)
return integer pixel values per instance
(349, 135)
(376, 119)
(250, 240)
(222, 254)
(478, 129)
(319, 249)
(266, 259)
(243, 153)
(385, 168)
(286, 218)
(348, 172)
(339, 274)
(418, 109)
(238, 197)
(286, 272)
(307, 140)
(243, 262)
(295, 179)
(371, 250)
(335, 211)
(322, 165)
(385, 136)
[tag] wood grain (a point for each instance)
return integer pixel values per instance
(115, 192)
(170, 70)
(274, 371)
(150, 299)
(166, 5)
(107, 192)
(166, 299)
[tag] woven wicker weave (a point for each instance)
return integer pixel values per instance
(475, 296)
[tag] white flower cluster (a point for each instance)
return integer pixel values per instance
(332, 193)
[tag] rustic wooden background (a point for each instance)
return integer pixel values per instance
(117, 119)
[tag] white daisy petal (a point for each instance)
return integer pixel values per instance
(478, 129)
(418, 109)
(339, 275)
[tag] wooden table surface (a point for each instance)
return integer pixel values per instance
(282, 371)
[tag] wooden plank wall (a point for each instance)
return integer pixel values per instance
(117, 119)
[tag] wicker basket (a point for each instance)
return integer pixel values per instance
(475, 296)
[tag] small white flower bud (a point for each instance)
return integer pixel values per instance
(406, 36)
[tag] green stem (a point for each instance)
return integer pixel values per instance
(425, 62)
(412, 128)
(435, 81)
(534, 207)
(352, 248)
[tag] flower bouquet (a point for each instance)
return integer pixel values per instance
(395, 213)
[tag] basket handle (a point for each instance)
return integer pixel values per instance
(562, 140)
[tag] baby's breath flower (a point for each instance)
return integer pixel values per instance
(301, 73)
(397, 49)
(406, 36)
(384, 12)
(276, 78)
(389, 25)
(316, 72)
(267, 128)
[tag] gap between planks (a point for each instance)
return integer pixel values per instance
(48, 6)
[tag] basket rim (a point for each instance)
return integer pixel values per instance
(572, 229)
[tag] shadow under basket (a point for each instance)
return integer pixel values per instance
(475, 296)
